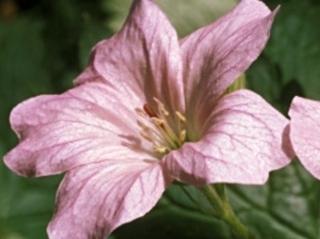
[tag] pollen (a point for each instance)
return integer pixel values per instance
(163, 130)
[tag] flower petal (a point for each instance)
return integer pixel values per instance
(305, 132)
(243, 140)
(144, 58)
(83, 125)
(215, 55)
(95, 199)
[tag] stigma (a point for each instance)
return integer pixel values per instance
(164, 130)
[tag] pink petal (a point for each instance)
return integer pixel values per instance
(215, 55)
(95, 199)
(305, 133)
(243, 140)
(143, 59)
(83, 125)
(88, 75)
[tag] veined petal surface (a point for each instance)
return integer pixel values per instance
(95, 199)
(84, 125)
(243, 140)
(142, 60)
(215, 55)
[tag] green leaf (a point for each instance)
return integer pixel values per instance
(22, 72)
(286, 208)
(294, 45)
(186, 16)
(172, 222)
(92, 33)
(264, 78)
(25, 206)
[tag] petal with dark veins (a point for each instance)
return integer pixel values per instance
(215, 55)
(95, 199)
(84, 125)
(243, 140)
(143, 59)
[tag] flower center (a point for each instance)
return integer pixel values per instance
(164, 131)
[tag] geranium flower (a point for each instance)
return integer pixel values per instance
(305, 131)
(149, 110)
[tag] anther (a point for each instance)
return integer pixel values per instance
(162, 132)
(161, 107)
(182, 135)
(181, 117)
(149, 111)
(158, 122)
(161, 149)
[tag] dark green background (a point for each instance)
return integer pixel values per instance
(45, 44)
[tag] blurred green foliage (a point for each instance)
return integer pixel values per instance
(45, 44)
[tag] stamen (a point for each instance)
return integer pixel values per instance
(149, 111)
(161, 108)
(161, 149)
(146, 136)
(181, 117)
(158, 129)
(182, 135)
(140, 112)
(141, 124)
(158, 122)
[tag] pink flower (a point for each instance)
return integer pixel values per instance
(305, 133)
(149, 110)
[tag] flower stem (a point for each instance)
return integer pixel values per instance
(225, 212)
